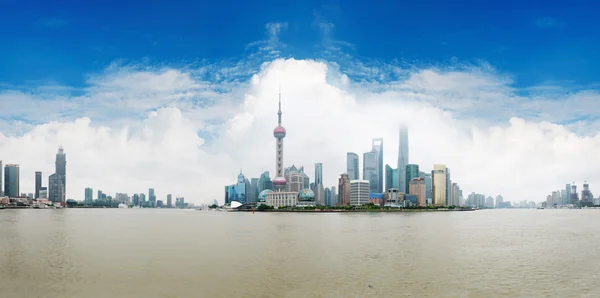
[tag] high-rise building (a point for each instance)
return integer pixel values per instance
(567, 200)
(370, 172)
(344, 190)
(402, 158)
(438, 187)
(319, 194)
(377, 144)
(334, 198)
(427, 177)
(417, 187)
(151, 196)
(279, 133)
(499, 201)
(136, 199)
(253, 192)
(264, 182)
(352, 165)
(448, 187)
(61, 167)
(56, 188)
(318, 173)
(11, 180)
(38, 183)
(89, 196)
(328, 197)
(1, 180)
(169, 201)
(412, 171)
(359, 192)
(241, 188)
(389, 176)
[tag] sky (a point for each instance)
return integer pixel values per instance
(180, 96)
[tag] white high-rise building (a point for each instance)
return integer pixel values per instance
(359, 192)
(402, 158)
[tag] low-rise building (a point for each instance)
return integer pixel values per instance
(282, 199)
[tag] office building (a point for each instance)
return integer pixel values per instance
(359, 192)
(499, 201)
(89, 196)
(61, 168)
(352, 165)
(38, 183)
(377, 145)
(169, 201)
(56, 189)
(344, 190)
(412, 171)
(438, 187)
(11, 180)
(281, 199)
(402, 158)
(43, 193)
(370, 172)
(389, 175)
(318, 173)
(264, 182)
(417, 187)
(334, 197)
(253, 191)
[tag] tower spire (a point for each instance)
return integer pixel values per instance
(279, 112)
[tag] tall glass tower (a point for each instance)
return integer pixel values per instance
(403, 159)
(352, 165)
(61, 167)
(377, 145)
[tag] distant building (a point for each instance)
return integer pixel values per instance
(56, 188)
(180, 202)
(412, 171)
(402, 158)
(334, 198)
(282, 199)
(152, 197)
(320, 194)
(370, 171)
(169, 201)
(61, 168)
(439, 185)
(499, 201)
(352, 165)
(11, 180)
(43, 193)
(377, 144)
(344, 190)
(418, 188)
(159, 204)
(427, 177)
(264, 182)
(359, 192)
(89, 196)
(253, 191)
(38, 184)
(318, 173)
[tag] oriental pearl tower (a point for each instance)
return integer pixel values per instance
(279, 133)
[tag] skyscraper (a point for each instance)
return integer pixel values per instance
(279, 133)
(370, 169)
(264, 182)
(567, 195)
(318, 173)
(412, 171)
(389, 176)
(151, 197)
(344, 190)
(61, 167)
(352, 165)
(1, 180)
(56, 189)
(377, 144)
(11, 181)
(253, 192)
(169, 201)
(448, 187)
(439, 185)
(402, 158)
(89, 196)
(38, 184)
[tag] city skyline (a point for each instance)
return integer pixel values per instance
(186, 125)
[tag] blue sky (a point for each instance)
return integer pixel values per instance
(534, 42)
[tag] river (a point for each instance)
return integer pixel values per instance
(186, 253)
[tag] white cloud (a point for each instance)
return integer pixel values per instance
(462, 118)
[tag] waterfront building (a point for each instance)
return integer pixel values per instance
(11, 180)
(427, 177)
(344, 190)
(319, 194)
(352, 165)
(377, 145)
(294, 179)
(306, 197)
(180, 202)
(377, 199)
(359, 192)
(151, 197)
(499, 201)
(448, 188)
(159, 204)
(370, 169)
(418, 188)
(328, 197)
(89, 193)
(264, 182)
(56, 188)
(282, 199)
(412, 171)
(389, 175)
(38, 184)
(318, 173)
(43, 193)
(262, 196)
(169, 201)
(136, 199)
(402, 157)
(334, 197)
(438, 187)
(489, 202)
(61, 168)
(567, 200)
(253, 191)
(393, 198)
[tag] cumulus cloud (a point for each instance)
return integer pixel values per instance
(469, 119)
